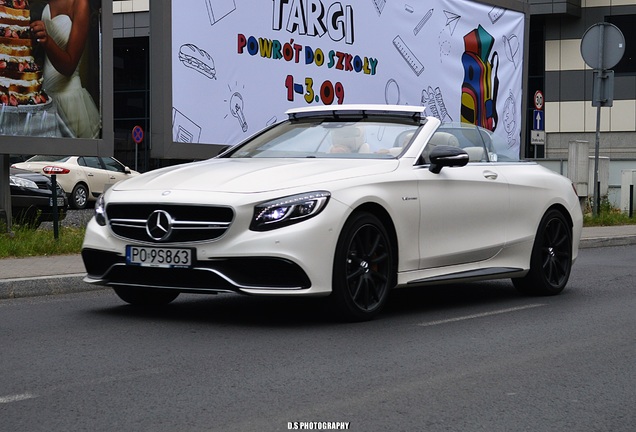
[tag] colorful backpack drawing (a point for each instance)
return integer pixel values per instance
(481, 84)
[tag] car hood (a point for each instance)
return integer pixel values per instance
(255, 175)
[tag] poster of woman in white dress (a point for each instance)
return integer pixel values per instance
(49, 68)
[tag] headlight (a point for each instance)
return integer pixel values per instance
(100, 211)
(22, 182)
(288, 210)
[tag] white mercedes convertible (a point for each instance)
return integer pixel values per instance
(348, 202)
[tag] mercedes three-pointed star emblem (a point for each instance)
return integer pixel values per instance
(159, 225)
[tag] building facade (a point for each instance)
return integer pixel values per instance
(555, 67)
(131, 82)
(569, 114)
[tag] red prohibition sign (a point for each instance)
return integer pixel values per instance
(137, 134)
(538, 100)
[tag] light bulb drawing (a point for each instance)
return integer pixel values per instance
(236, 108)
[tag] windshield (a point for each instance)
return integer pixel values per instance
(47, 158)
(330, 138)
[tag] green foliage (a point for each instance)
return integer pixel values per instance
(607, 215)
(25, 242)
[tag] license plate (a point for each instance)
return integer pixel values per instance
(158, 257)
(60, 202)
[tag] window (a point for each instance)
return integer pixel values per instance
(627, 25)
(112, 165)
(131, 82)
(90, 161)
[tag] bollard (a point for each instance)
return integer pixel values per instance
(56, 232)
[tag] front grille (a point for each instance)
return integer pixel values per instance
(189, 223)
(46, 185)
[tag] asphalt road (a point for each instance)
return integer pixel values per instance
(472, 357)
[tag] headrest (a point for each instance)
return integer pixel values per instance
(403, 138)
(444, 138)
(349, 137)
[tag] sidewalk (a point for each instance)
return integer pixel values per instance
(27, 277)
(35, 276)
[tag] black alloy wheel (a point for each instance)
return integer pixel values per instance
(551, 259)
(363, 271)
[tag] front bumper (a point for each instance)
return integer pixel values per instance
(292, 260)
(218, 275)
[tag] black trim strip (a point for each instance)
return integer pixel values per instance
(470, 274)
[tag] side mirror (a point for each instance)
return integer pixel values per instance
(447, 156)
(127, 170)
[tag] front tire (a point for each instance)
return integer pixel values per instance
(363, 270)
(145, 296)
(551, 259)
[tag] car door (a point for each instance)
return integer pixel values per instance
(96, 176)
(463, 214)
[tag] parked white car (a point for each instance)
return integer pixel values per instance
(84, 178)
(347, 202)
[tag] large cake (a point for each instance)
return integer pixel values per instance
(20, 76)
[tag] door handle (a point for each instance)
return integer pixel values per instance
(490, 175)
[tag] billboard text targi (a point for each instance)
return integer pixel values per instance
(237, 66)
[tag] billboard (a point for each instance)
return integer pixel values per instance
(236, 66)
(54, 98)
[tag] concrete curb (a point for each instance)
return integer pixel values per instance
(594, 242)
(44, 285)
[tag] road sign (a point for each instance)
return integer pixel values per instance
(137, 134)
(602, 46)
(538, 120)
(537, 137)
(603, 88)
(538, 100)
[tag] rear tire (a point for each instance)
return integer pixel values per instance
(79, 197)
(146, 296)
(551, 259)
(363, 270)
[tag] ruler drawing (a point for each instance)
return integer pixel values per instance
(496, 13)
(408, 55)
